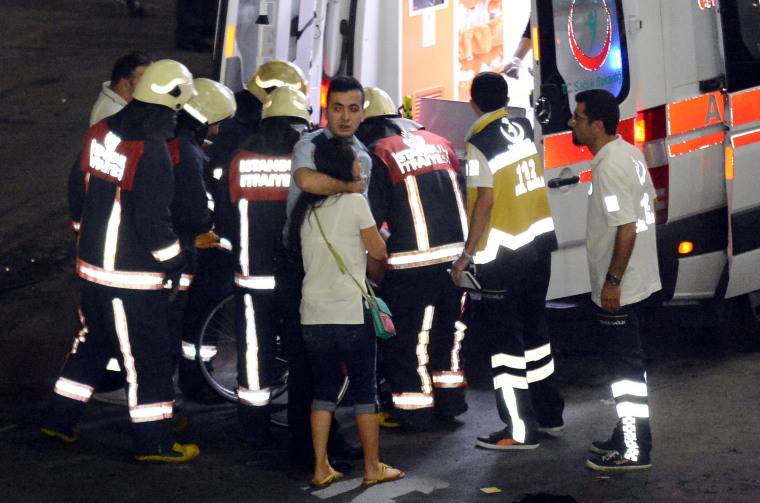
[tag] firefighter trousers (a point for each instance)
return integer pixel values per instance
(513, 307)
(257, 324)
(621, 334)
(423, 361)
(134, 323)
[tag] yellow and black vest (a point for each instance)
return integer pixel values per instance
(520, 212)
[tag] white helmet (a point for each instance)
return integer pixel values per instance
(286, 102)
(276, 73)
(165, 82)
(377, 103)
(213, 103)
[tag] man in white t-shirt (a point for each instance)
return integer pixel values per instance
(117, 92)
(622, 258)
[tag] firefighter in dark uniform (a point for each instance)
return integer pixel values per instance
(216, 265)
(191, 215)
(259, 177)
(415, 189)
(511, 237)
(130, 260)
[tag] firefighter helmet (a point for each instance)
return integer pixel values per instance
(213, 103)
(273, 74)
(286, 102)
(165, 82)
(377, 103)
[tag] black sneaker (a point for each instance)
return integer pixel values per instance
(604, 447)
(614, 462)
(502, 440)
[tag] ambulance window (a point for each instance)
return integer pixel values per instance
(582, 47)
(740, 19)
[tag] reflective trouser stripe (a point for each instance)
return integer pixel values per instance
(251, 346)
(630, 398)
(449, 379)
(412, 401)
(74, 390)
(258, 397)
(508, 395)
(189, 351)
(122, 334)
(151, 412)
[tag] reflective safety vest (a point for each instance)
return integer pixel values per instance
(520, 211)
(259, 191)
(124, 222)
(418, 193)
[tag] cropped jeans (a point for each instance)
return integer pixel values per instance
(354, 345)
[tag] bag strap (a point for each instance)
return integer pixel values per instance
(341, 265)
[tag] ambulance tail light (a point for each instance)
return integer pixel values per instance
(650, 132)
(323, 101)
(685, 247)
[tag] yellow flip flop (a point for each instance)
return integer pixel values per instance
(333, 477)
(383, 478)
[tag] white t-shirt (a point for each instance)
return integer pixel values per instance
(108, 103)
(329, 297)
(621, 192)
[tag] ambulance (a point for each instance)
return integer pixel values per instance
(686, 74)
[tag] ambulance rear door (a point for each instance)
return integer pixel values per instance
(580, 45)
(740, 20)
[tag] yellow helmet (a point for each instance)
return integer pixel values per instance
(213, 103)
(377, 103)
(275, 73)
(165, 82)
(286, 102)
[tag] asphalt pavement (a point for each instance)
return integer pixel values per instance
(703, 381)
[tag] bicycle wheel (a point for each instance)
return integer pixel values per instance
(217, 350)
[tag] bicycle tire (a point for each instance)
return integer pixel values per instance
(220, 369)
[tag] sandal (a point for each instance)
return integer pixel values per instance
(333, 477)
(383, 478)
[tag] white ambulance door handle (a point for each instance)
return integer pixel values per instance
(634, 25)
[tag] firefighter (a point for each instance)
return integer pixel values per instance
(510, 242)
(191, 215)
(416, 190)
(216, 265)
(129, 258)
(258, 190)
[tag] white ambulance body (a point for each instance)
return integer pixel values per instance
(686, 74)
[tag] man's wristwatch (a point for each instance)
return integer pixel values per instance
(613, 280)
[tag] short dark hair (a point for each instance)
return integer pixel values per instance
(489, 91)
(601, 105)
(344, 84)
(125, 66)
